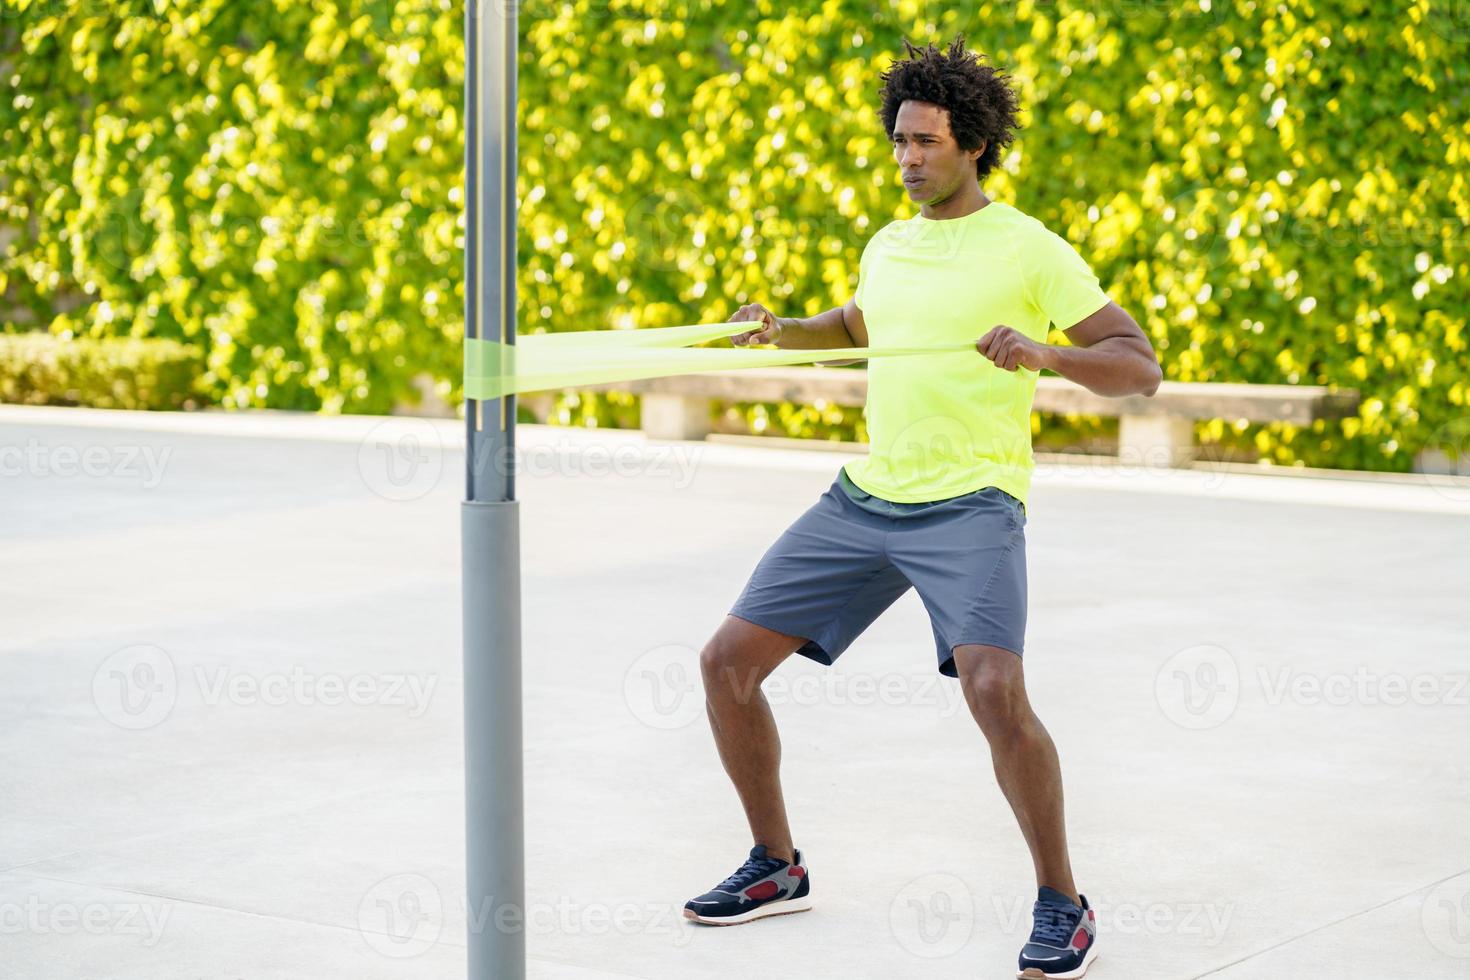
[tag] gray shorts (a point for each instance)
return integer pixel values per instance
(850, 556)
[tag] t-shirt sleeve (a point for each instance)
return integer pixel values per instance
(862, 277)
(1059, 282)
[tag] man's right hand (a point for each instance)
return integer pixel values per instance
(769, 331)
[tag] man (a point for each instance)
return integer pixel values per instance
(939, 502)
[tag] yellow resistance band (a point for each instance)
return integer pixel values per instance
(540, 362)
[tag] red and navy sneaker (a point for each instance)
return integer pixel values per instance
(763, 886)
(1063, 940)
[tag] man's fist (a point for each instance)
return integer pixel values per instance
(768, 333)
(1010, 349)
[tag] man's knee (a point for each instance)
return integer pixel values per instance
(726, 672)
(993, 683)
(717, 659)
(740, 656)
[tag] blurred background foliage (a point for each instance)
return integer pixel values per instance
(1276, 191)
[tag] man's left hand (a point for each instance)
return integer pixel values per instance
(1010, 349)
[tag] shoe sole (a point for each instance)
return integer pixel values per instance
(1034, 973)
(787, 907)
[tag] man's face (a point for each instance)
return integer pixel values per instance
(932, 164)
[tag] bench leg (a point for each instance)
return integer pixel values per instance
(675, 417)
(1155, 440)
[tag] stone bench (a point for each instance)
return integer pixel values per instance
(1157, 430)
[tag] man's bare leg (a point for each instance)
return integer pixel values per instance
(737, 659)
(1024, 756)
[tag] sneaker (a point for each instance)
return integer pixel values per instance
(1063, 940)
(763, 886)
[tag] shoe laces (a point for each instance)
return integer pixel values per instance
(752, 869)
(1053, 923)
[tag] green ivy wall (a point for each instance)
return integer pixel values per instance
(1276, 191)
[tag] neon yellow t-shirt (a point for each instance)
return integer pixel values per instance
(942, 425)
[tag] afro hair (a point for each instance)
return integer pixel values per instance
(981, 104)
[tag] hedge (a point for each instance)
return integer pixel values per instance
(1277, 191)
(111, 372)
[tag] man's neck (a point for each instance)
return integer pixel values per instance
(967, 200)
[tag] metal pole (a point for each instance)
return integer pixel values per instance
(489, 516)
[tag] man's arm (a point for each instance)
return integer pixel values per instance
(841, 326)
(1110, 354)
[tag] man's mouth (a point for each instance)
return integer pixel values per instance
(912, 181)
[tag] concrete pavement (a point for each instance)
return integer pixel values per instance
(229, 682)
